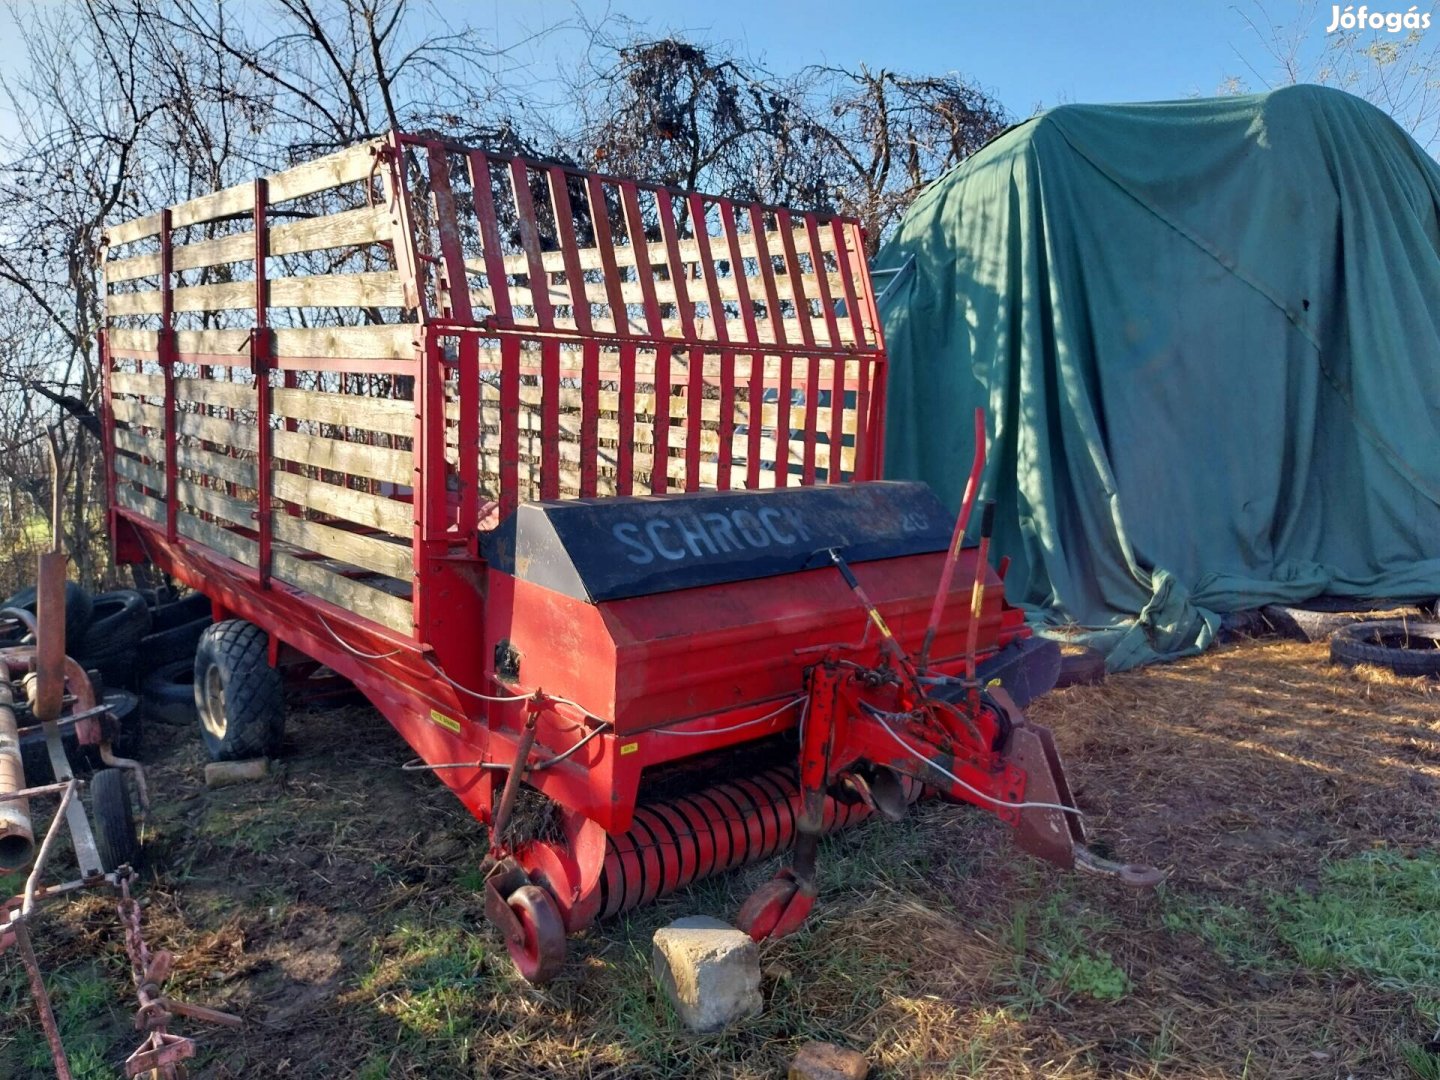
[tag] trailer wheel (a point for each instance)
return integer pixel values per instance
(239, 696)
(542, 954)
(115, 836)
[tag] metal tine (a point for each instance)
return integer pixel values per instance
(669, 232)
(549, 419)
(626, 468)
(785, 227)
(727, 420)
(737, 270)
(605, 245)
(456, 292)
(699, 219)
(491, 250)
(640, 251)
(767, 273)
(509, 424)
(847, 281)
(565, 231)
(822, 280)
(660, 461)
(530, 240)
(589, 418)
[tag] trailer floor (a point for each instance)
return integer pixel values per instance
(336, 907)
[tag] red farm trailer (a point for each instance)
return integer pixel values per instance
(576, 478)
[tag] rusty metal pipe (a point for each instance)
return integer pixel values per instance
(17, 834)
(50, 643)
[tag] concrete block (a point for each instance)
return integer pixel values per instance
(222, 773)
(826, 1061)
(709, 970)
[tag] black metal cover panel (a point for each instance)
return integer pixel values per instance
(612, 548)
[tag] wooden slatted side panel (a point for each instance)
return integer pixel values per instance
(344, 466)
(593, 253)
(312, 253)
(711, 422)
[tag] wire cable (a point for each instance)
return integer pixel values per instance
(735, 727)
(880, 716)
(351, 648)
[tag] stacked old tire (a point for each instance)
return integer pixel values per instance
(139, 643)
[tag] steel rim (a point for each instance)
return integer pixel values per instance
(212, 716)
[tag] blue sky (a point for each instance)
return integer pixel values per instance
(1027, 52)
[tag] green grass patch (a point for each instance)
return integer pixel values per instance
(1058, 954)
(1377, 913)
(1240, 938)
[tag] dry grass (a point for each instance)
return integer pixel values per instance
(336, 908)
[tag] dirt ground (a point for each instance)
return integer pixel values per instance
(1296, 805)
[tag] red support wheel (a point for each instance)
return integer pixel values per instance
(539, 952)
(776, 908)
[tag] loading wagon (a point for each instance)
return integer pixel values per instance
(577, 479)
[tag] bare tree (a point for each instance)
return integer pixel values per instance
(863, 142)
(1396, 69)
(887, 135)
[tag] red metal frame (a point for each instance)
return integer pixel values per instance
(652, 668)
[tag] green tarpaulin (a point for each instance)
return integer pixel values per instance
(1207, 336)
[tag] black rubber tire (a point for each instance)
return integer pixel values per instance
(125, 707)
(1242, 626)
(1082, 667)
(168, 646)
(111, 644)
(115, 834)
(181, 612)
(240, 698)
(1318, 618)
(167, 694)
(1405, 647)
(79, 605)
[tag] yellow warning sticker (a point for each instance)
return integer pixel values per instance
(629, 748)
(449, 723)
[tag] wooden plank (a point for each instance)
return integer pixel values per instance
(240, 548)
(349, 228)
(128, 232)
(238, 247)
(242, 471)
(141, 503)
(230, 395)
(139, 445)
(226, 433)
(395, 342)
(226, 202)
(232, 342)
(374, 604)
(356, 459)
(394, 416)
(126, 340)
(148, 302)
(379, 289)
(148, 475)
(381, 556)
(135, 412)
(342, 167)
(376, 511)
(382, 288)
(215, 502)
(133, 382)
